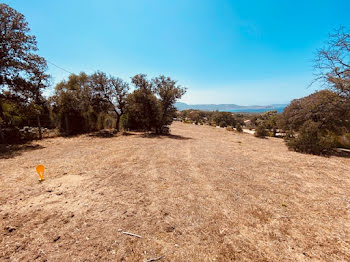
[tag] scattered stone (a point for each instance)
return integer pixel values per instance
(10, 229)
(56, 239)
(169, 229)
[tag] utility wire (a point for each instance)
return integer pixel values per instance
(59, 67)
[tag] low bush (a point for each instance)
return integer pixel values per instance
(260, 131)
(344, 141)
(312, 140)
(239, 128)
(223, 124)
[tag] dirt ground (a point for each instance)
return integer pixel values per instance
(201, 194)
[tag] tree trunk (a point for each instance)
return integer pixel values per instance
(39, 126)
(67, 124)
(117, 122)
(2, 137)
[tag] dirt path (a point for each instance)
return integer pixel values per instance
(202, 194)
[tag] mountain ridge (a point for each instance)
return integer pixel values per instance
(229, 107)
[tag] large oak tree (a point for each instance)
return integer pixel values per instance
(22, 71)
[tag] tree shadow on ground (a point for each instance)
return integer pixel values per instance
(10, 151)
(128, 134)
(153, 135)
(108, 133)
(102, 135)
(341, 153)
(332, 153)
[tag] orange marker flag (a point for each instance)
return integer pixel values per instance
(40, 169)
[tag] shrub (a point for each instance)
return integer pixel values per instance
(312, 140)
(223, 124)
(270, 134)
(12, 135)
(124, 121)
(260, 131)
(344, 141)
(239, 128)
(229, 128)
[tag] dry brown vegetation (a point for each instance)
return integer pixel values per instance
(201, 194)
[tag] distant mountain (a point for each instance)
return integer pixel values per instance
(230, 107)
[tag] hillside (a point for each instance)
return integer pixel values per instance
(201, 194)
(230, 107)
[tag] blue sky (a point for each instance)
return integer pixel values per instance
(241, 52)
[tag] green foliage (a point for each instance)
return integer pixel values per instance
(21, 69)
(324, 107)
(168, 92)
(239, 128)
(151, 106)
(124, 122)
(12, 113)
(195, 116)
(12, 135)
(143, 106)
(312, 139)
(76, 109)
(260, 131)
(111, 92)
(318, 122)
(212, 118)
(222, 124)
(223, 119)
(344, 141)
(22, 75)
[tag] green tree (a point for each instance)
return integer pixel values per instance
(260, 131)
(143, 107)
(74, 105)
(168, 93)
(112, 90)
(324, 107)
(312, 139)
(271, 120)
(315, 121)
(151, 106)
(223, 119)
(22, 71)
(239, 128)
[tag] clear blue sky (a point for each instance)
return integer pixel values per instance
(242, 52)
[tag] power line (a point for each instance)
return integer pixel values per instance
(59, 67)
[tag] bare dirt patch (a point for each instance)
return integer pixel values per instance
(201, 194)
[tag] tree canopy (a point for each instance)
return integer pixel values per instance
(22, 71)
(332, 63)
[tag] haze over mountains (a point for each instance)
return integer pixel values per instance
(230, 107)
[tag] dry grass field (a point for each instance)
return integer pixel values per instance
(201, 194)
